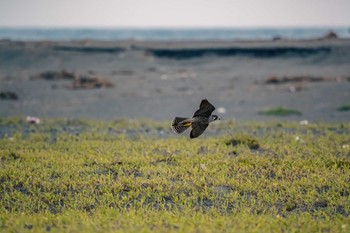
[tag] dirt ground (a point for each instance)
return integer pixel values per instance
(160, 80)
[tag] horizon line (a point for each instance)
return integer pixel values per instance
(173, 27)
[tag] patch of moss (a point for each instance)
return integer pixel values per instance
(344, 108)
(247, 140)
(280, 111)
(53, 178)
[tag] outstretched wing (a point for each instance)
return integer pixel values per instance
(197, 129)
(205, 109)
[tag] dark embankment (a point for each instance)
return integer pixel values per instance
(270, 52)
(89, 49)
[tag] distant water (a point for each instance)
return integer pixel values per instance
(166, 34)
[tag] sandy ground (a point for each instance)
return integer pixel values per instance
(160, 80)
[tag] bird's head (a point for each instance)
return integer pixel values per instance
(214, 118)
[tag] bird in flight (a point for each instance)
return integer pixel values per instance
(199, 122)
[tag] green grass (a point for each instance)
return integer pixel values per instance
(90, 176)
(344, 108)
(280, 111)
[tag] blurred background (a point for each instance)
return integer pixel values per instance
(111, 59)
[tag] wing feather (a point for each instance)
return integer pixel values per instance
(205, 109)
(197, 129)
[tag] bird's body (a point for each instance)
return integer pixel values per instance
(199, 122)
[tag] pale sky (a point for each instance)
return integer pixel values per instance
(174, 13)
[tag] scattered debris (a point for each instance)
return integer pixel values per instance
(8, 95)
(297, 79)
(89, 81)
(86, 82)
(297, 83)
(33, 120)
(303, 79)
(55, 75)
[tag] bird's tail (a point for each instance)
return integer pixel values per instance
(180, 124)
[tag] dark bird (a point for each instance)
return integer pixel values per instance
(199, 122)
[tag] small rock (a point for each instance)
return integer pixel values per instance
(304, 122)
(33, 120)
(331, 35)
(203, 166)
(28, 226)
(273, 80)
(295, 88)
(298, 139)
(276, 38)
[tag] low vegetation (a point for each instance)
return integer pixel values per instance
(280, 111)
(136, 176)
(344, 108)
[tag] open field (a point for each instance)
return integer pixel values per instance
(137, 176)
